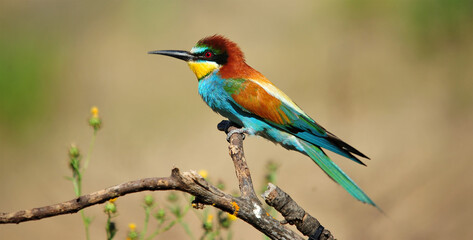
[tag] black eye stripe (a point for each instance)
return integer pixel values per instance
(218, 58)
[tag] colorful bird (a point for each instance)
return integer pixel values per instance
(243, 95)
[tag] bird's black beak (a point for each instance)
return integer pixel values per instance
(183, 55)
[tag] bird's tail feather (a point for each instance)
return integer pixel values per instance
(334, 172)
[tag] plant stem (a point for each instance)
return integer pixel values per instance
(91, 147)
(186, 229)
(86, 224)
(145, 227)
(107, 228)
(77, 184)
(158, 231)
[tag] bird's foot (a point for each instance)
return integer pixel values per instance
(241, 131)
(224, 125)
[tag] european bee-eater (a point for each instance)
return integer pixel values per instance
(243, 95)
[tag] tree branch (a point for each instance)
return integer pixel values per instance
(247, 207)
(239, 161)
(294, 214)
(74, 205)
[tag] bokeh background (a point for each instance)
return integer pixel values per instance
(393, 78)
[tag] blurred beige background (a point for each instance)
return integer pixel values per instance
(392, 78)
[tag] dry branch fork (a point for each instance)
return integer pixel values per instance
(246, 207)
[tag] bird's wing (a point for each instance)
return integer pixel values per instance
(263, 99)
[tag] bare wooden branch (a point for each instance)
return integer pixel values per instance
(260, 219)
(246, 207)
(98, 197)
(241, 168)
(295, 215)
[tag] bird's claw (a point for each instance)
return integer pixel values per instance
(239, 131)
(224, 125)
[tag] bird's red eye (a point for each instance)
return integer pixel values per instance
(207, 54)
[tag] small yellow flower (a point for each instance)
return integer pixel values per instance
(210, 217)
(94, 120)
(208, 223)
(132, 226)
(236, 207)
(203, 173)
(232, 217)
(94, 111)
(132, 234)
(113, 200)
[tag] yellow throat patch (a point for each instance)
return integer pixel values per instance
(202, 69)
